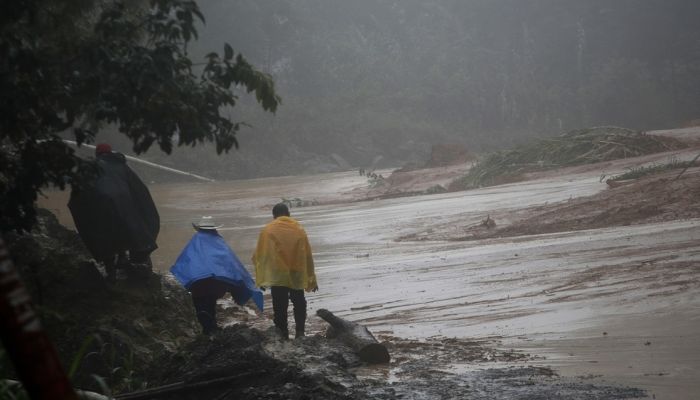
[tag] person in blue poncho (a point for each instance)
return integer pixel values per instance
(208, 268)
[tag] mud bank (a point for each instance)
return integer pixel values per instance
(141, 333)
(314, 367)
(648, 200)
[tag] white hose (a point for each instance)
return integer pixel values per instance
(150, 164)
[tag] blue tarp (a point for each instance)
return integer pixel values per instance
(208, 256)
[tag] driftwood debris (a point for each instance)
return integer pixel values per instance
(692, 163)
(357, 337)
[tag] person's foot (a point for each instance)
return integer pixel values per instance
(299, 334)
(111, 273)
(282, 333)
(211, 330)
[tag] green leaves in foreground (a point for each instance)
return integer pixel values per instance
(69, 67)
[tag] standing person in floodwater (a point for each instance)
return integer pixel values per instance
(283, 262)
(208, 268)
(116, 215)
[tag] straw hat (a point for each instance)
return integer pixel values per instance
(206, 222)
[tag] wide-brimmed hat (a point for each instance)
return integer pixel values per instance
(206, 222)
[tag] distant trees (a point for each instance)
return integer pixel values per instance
(71, 66)
(361, 78)
(370, 77)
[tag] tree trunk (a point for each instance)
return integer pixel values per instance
(357, 337)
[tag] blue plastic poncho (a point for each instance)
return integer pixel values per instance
(208, 256)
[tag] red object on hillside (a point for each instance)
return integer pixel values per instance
(103, 148)
(27, 344)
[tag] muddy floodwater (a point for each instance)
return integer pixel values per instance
(617, 305)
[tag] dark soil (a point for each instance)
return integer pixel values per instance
(113, 331)
(262, 367)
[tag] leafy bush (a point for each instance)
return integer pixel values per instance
(125, 64)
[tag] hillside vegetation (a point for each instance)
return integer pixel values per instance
(582, 146)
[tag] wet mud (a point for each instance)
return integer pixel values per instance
(255, 364)
(563, 309)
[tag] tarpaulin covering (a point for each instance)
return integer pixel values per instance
(116, 212)
(208, 256)
(283, 256)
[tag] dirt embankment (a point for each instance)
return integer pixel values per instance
(452, 169)
(447, 163)
(653, 198)
(649, 199)
(114, 331)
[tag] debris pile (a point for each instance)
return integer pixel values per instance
(582, 146)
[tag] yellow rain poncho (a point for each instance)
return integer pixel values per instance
(283, 256)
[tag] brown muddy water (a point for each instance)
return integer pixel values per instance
(616, 305)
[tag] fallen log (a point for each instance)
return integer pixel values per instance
(614, 184)
(357, 337)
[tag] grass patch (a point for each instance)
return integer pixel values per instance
(582, 146)
(638, 172)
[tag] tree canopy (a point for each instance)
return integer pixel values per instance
(72, 66)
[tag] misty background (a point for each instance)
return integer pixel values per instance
(376, 83)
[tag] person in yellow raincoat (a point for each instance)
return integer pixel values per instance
(283, 262)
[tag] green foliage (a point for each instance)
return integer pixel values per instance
(583, 146)
(68, 68)
(639, 172)
(104, 364)
(435, 189)
(9, 391)
(375, 180)
(75, 364)
(117, 361)
(119, 368)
